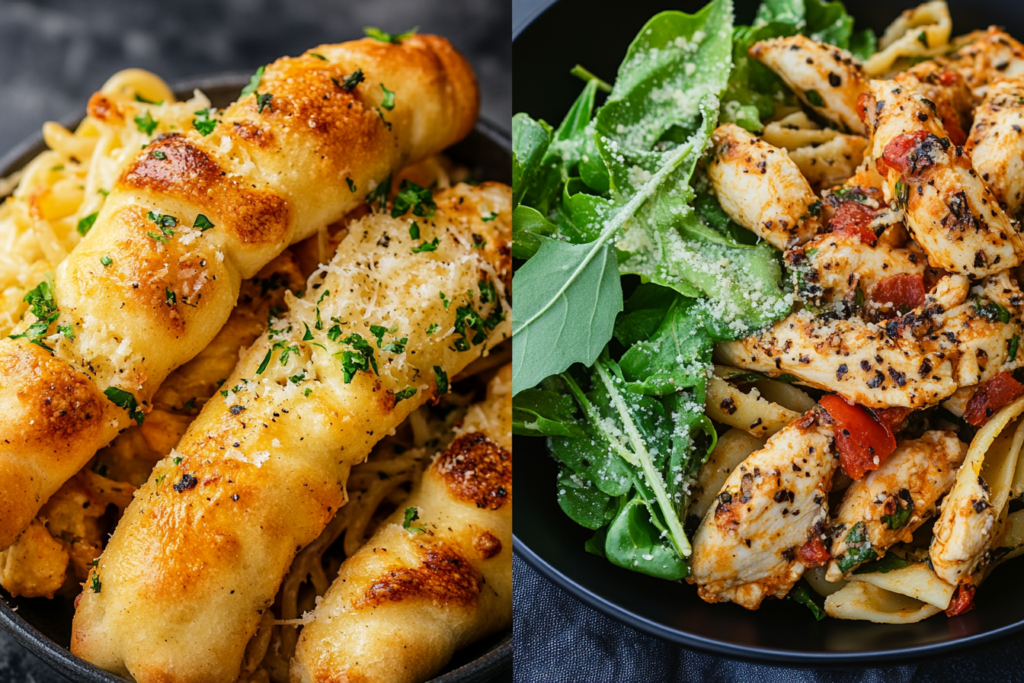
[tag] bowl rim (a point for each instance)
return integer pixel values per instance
(485, 667)
(721, 647)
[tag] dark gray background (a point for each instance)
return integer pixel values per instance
(55, 54)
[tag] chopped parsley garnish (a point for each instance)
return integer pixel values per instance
(408, 392)
(360, 359)
(411, 196)
(158, 155)
(264, 101)
(904, 509)
(490, 217)
(187, 405)
(163, 220)
(351, 81)
(814, 98)
(307, 392)
(414, 230)
(67, 330)
(177, 461)
(146, 123)
(254, 82)
(389, 98)
(203, 223)
(411, 515)
(991, 311)
(802, 595)
(442, 380)
(59, 167)
(426, 246)
(380, 194)
(204, 121)
(487, 292)
(858, 548)
(378, 332)
(308, 336)
(44, 308)
(445, 301)
(902, 197)
(466, 320)
(106, 260)
(386, 37)
(295, 379)
(140, 98)
(103, 192)
(85, 224)
(172, 298)
(97, 585)
(396, 347)
(351, 185)
(434, 327)
(125, 400)
(922, 38)
(158, 237)
(478, 241)
(1014, 343)
(318, 56)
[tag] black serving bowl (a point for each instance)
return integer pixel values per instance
(596, 33)
(44, 626)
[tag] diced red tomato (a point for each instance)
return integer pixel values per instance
(865, 102)
(956, 134)
(814, 553)
(893, 417)
(863, 442)
(990, 397)
(948, 78)
(962, 600)
(853, 218)
(900, 291)
(897, 154)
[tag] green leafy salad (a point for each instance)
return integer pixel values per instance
(629, 271)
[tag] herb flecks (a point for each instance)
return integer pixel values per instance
(411, 515)
(146, 123)
(126, 401)
(385, 37)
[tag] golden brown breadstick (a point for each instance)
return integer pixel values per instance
(201, 551)
(421, 589)
(192, 216)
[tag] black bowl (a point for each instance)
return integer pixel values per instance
(596, 35)
(44, 626)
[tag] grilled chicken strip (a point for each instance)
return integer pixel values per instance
(825, 78)
(993, 56)
(275, 170)
(834, 267)
(761, 188)
(890, 503)
(201, 551)
(850, 357)
(948, 208)
(411, 597)
(748, 545)
(996, 144)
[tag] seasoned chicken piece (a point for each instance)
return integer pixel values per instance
(950, 211)
(921, 31)
(836, 268)
(825, 156)
(748, 545)
(850, 357)
(890, 503)
(761, 188)
(827, 79)
(996, 55)
(948, 90)
(979, 330)
(996, 144)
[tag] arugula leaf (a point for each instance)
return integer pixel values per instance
(530, 140)
(675, 61)
(569, 294)
(753, 89)
(643, 313)
(545, 412)
(634, 542)
(583, 502)
(676, 356)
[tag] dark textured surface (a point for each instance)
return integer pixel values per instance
(54, 55)
(560, 640)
